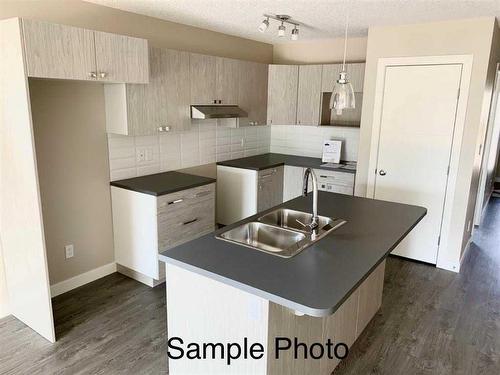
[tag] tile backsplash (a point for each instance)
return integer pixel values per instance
(206, 142)
(308, 140)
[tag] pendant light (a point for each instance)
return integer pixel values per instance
(343, 93)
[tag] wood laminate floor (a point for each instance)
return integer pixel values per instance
(431, 322)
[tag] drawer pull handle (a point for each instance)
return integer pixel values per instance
(202, 193)
(267, 175)
(190, 221)
(176, 201)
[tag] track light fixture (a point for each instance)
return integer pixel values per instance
(264, 25)
(281, 28)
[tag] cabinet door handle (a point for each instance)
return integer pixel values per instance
(164, 128)
(93, 75)
(202, 193)
(266, 175)
(190, 221)
(176, 201)
(103, 75)
(382, 172)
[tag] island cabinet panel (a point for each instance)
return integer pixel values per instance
(121, 58)
(370, 297)
(144, 225)
(58, 51)
(282, 94)
(203, 78)
(309, 95)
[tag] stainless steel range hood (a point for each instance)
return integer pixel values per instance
(207, 111)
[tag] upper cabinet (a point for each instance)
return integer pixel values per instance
(58, 51)
(282, 94)
(120, 58)
(227, 80)
(300, 94)
(162, 105)
(203, 78)
(65, 52)
(309, 94)
(252, 92)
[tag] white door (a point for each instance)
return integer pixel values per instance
(416, 135)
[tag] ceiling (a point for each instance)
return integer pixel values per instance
(320, 19)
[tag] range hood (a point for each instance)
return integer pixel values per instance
(207, 111)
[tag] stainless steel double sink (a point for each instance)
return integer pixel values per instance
(280, 232)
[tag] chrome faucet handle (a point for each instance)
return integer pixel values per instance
(313, 225)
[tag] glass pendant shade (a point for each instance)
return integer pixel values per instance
(342, 95)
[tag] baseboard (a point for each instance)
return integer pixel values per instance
(82, 279)
(137, 276)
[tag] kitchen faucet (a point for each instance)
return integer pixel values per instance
(314, 220)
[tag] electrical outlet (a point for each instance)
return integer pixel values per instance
(69, 251)
(140, 155)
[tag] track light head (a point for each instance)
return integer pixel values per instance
(295, 33)
(281, 30)
(264, 25)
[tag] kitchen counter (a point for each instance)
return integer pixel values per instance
(270, 160)
(320, 278)
(162, 183)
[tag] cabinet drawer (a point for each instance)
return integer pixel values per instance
(170, 203)
(338, 178)
(186, 224)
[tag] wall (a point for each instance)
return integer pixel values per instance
(71, 148)
(160, 33)
(319, 52)
(308, 140)
(4, 298)
(204, 143)
(471, 36)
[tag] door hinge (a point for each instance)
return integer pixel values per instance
(439, 240)
(448, 171)
(375, 170)
(458, 93)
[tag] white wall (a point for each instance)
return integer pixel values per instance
(204, 143)
(308, 140)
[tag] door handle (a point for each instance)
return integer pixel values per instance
(382, 172)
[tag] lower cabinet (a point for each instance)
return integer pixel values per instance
(244, 192)
(144, 225)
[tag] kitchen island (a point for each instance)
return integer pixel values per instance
(220, 292)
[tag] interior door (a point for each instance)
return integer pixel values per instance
(416, 134)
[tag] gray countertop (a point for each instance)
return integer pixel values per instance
(162, 183)
(319, 279)
(270, 160)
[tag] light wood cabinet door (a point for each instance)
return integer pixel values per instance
(252, 95)
(147, 104)
(270, 188)
(227, 80)
(121, 58)
(282, 94)
(58, 51)
(203, 75)
(309, 95)
(356, 72)
(329, 76)
(178, 90)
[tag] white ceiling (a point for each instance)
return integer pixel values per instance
(320, 18)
